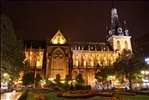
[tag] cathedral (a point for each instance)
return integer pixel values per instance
(58, 55)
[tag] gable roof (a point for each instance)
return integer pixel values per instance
(58, 38)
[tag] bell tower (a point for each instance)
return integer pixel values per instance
(118, 38)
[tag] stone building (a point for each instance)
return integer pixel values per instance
(141, 44)
(60, 56)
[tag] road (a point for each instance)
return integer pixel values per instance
(11, 95)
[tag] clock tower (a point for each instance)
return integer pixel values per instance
(118, 38)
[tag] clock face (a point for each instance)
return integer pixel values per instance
(119, 30)
(110, 32)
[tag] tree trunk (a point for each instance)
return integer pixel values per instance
(130, 84)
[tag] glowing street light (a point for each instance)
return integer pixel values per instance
(5, 74)
(145, 72)
(50, 79)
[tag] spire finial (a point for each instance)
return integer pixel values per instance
(106, 27)
(125, 25)
(124, 22)
(126, 30)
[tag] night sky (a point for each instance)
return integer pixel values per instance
(81, 21)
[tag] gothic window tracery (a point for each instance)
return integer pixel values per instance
(58, 57)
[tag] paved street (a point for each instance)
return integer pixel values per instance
(11, 95)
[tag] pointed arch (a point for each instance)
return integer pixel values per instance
(58, 58)
(118, 45)
(126, 45)
(74, 74)
(90, 76)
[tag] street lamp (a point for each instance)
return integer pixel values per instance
(5, 74)
(146, 79)
(50, 79)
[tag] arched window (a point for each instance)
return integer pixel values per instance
(126, 45)
(74, 74)
(57, 59)
(90, 76)
(118, 45)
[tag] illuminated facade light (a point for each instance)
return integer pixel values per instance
(147, 60)
(58, 38)
(142, 72)
(50, 79)
(5, 74)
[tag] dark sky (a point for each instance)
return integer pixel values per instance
(78, 20)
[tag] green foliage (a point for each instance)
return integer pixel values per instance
(48, 83)
(138, 77)
(37, 79)
(67, 86)
(102, 75)
(79, 87)
(5, 78)
(52, 96)
(67, 79)
(12, 55)
(129, 64)
(27, 79)
(57, 80)
(79, 79)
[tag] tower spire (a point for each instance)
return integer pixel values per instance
(125, 25)
(107, 36)
(115, 24)
(126, 30)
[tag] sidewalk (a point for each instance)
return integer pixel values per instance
(11, 95)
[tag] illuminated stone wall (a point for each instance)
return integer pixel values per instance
(120, 42)
(57, 56)
(35, 57)
(57, 62)
(86, 61)
(90, 59)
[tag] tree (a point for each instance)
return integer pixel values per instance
(37, 79)
(129, 64)
(102, 75)
(47, 83)
(79, 79)
(12, 55)
(57, 80)
(67, 85)
(27, 79)
(79, 82)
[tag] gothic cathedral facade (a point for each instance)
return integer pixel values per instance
(60, 56)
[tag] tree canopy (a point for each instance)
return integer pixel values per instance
(79, 79)
(128, 64)
(102, 75)
(38, 79)
(27, 79)
(12, 55)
